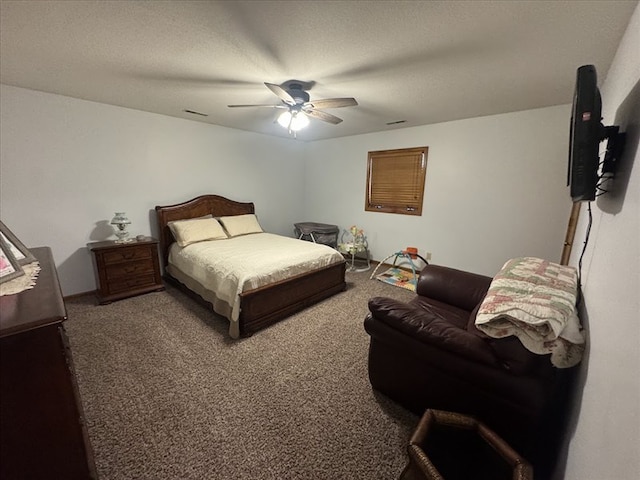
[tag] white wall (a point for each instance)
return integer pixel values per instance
(67, 165)
(495, 189)
(606, 441)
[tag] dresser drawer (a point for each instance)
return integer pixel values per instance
(128, 269)
(129, 283)
(127, 254)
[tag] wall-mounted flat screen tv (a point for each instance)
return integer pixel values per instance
(585, 171)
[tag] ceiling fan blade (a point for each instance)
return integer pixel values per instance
(281, 93)
(324, 116)
(332, 103)
(268, 106)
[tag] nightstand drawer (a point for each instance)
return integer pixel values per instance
(130, 283)
(127, 254)
(128, 269)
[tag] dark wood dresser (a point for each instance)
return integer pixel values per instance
(126, 269)
(42, 431)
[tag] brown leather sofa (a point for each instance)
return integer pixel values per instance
(428, 354)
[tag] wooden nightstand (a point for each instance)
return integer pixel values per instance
(126, 269)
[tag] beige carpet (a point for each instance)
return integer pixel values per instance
(167, 395)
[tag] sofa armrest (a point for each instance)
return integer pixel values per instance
(455, 287)
(432, 329)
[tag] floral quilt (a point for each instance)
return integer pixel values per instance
(534, 300)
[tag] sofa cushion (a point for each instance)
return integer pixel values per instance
(432, 328)
(457, 316)
(454, 287)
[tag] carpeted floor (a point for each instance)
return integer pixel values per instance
(167, 395)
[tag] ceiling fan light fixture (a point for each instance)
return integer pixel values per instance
(293, 121)
(295, 101)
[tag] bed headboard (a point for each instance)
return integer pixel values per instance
(197, 207)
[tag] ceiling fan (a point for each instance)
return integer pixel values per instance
(298, 107)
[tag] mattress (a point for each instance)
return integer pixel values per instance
(220, 270)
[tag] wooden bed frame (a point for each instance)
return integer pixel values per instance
(262, 306)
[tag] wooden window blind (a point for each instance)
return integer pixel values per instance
(395, 180)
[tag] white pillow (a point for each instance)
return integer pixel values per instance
(170, 224)
(241, 224)
(195, 230)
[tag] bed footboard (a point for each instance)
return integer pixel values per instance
(264, 306)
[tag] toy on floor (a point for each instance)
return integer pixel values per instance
(402, 280)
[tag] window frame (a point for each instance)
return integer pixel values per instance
(374, 193)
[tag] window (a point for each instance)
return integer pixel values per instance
(395, 180)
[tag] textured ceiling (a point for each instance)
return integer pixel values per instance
(419, 61)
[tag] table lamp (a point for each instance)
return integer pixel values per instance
(121, 221)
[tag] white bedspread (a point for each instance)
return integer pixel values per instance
(231, 266)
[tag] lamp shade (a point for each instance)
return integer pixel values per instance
(120, 218)
(293, 121)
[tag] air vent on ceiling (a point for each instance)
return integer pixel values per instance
(396, 122)
(196, 113)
